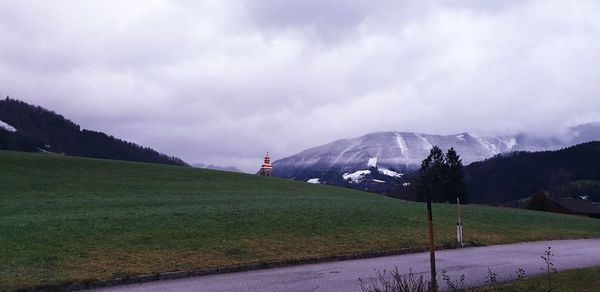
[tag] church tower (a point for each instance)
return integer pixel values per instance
(266, 169)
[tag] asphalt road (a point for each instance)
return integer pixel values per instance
(472, 262)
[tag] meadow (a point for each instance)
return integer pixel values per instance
(65, 219)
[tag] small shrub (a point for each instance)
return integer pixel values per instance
(520, 272)
(492, 280)
(457, 286)
(396, 282)
(520, 275)
(550, 268)
(539, 202)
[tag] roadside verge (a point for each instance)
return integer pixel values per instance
(172, 275)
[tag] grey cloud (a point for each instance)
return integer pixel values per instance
(221, 82)
(329, 20)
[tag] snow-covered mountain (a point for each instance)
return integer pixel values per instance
(348, 161)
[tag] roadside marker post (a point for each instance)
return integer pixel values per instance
(459, 228)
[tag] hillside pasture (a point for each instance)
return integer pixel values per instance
(65, 219)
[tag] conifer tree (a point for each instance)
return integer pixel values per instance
(442, 177)
(456, 183)
(433, 177)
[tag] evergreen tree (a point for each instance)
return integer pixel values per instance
(442, 177)
(456, 182)
(433, 177)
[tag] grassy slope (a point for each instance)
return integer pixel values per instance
(65, 219)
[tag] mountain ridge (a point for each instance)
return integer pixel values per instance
(402, 152)
(216, 167)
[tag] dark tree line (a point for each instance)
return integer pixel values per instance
(39, 129)
(573, 171)
(442, 177)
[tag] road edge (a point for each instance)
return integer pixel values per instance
(172, 275)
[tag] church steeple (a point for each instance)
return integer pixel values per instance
(266, 169)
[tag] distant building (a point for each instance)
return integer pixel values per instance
(266, 169)
(575, 206)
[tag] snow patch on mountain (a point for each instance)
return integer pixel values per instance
(359, 176)
(426, 144)
(372, 162)
(356, 176)
(7, 127)
(313, 181)
(402, 145)
(493, 149)
(510, 143)
(391, 173)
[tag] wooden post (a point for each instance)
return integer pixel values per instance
(431, 245)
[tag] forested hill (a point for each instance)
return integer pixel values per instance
(25, 127)
(574, 171)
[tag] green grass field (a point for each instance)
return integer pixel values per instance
(65, 219)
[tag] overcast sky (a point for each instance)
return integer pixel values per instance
(221, 82)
